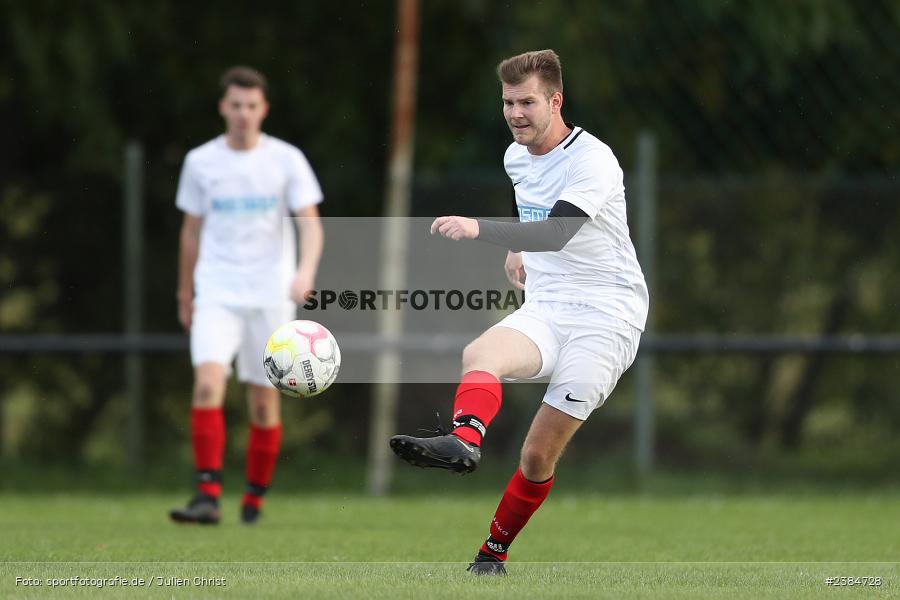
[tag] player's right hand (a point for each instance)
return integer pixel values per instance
(185, 311)
(515, 271)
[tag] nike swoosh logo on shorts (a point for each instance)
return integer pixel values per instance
(570, 399)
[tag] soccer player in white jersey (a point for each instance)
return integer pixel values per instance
(586, 300)
(239, 279)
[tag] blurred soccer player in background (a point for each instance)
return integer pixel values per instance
(236, 284)
(586, 300)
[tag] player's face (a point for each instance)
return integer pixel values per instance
(243, 110)
(528, 111)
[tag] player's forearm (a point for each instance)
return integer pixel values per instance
(189, 248)
(549, 235)
(312, 240)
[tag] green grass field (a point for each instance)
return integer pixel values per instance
(577, 546)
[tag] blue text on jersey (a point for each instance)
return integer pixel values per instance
(527, 214)
(244, 204)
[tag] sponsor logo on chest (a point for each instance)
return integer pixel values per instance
(243, 204)
(527, 214)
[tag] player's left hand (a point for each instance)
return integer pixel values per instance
(455, 228)
(302, 287)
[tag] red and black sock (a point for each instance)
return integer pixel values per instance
(520, 500)
(262, 454)
(478, 399)
(208, 438)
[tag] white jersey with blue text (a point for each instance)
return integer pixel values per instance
(243, 198)
(598, 266)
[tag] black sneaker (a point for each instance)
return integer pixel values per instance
(201, 509)
(249, 514)
(487, 564)
(441, 452)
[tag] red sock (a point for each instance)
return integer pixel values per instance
(520, 500)
(477, 402)
(208, 437)
(262, 454)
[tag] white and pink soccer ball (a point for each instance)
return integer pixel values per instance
(302, 358)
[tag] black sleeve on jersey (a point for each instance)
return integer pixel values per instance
(515, 207)
(550, 235)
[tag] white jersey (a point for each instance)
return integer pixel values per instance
(598, 266)
(243, 198)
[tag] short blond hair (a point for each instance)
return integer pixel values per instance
(543, 63)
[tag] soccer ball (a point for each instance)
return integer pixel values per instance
(302, 358)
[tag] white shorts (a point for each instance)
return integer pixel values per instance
(583, 350)
(221, 333)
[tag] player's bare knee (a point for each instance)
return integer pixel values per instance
(207, 395)
(470, 353)
(264, 414)
(265, 408)
(476, 357)
(537, 463)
